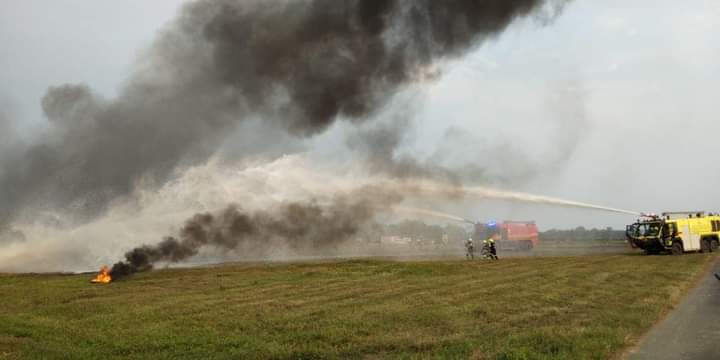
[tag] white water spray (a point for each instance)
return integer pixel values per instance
(153, 213)
(539, 199)
(428, 187)
(433, 213)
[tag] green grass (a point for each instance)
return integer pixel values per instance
(554, 308)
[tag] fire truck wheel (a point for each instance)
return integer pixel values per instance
(677, 248)
(714, 245)
(705, 245)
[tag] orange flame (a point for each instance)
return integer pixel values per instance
(103, 277)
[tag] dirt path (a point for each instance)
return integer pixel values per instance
(692, 330)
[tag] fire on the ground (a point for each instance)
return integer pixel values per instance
(103, 277)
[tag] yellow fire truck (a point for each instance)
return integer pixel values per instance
(676, 232)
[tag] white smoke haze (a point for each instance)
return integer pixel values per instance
(300, 65)
(149, 215)
(376, 158)
(503, 118)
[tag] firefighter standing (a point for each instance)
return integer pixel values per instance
(469, 249)
(490, 242)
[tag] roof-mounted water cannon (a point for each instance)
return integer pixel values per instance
(649, 217)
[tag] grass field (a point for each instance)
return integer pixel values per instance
(558, 308)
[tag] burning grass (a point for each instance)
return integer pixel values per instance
(570, 307)
(102, 277)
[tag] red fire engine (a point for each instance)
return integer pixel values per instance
(513, 235)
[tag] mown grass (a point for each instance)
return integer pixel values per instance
(554, 308)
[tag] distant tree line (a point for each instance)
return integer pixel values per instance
(581, 233)
(421, 232)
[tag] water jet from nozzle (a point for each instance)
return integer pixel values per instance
(489, 193)
(432, 213)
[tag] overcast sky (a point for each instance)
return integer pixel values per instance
(615, 102)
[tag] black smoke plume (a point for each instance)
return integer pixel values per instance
(299, 226)
(299, 64)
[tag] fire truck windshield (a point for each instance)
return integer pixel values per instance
(646, 229)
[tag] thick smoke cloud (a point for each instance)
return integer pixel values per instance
(302, 64)
(464, 158)
(9, 145)
(6, 136)
(379, 147)
(509, 161)
(298, 226)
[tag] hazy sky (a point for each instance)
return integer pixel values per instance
(613, 102)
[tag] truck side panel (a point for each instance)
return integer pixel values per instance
(693, 229)
(697, 227)
(524, 234)
(691, 241)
